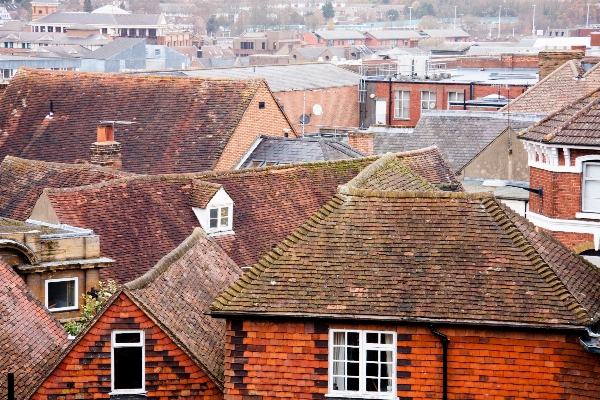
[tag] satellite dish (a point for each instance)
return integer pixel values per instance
(304, 119)
(432, 105)
(317, 109)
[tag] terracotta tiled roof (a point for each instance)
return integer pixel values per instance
(176, 294)
(142, 218)
(181, 124)
(30, 337)
(419, 256)
(22, 181)
(575, 124)
(563, 86)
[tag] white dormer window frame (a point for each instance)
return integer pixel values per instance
(217, 217)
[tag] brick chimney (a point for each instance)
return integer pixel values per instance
(595, 39)
(549, 60)
(362, 141)
(105, 151)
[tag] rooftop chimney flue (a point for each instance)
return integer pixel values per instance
(106, 152)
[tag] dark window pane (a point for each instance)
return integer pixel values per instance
(386, 356)
(128, 367)
(353, 338)
(372, 338)
(352, 369)
(386, 370)
(127, 337)
(214, 212)
(372, 385)
(386, 385)
(353, 384)
(372, 355)
(61, 294)
(353, 354)
(372, 369)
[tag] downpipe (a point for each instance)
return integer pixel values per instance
(445, 341)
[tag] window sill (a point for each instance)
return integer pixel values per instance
(587, 215)
(63, 309)
(221, 233)
(378, 396)
(123, 392)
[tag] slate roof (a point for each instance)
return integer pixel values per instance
(142, 218)
(560, 88)
(99, 19)
(575, 124)
(459, 135)
(419, 257)
(30, 337)
(115, 47)
(23, 181)
(394, 34)
(445, 33)
(181, 124)
(339, 34)
(283, 78)
(294, 150)
(176, 294)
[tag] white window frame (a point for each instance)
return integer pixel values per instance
(401, 112)
(455, 94)
(113, 345)
(220, 228)
(430, 94)
(75, 307)
(584, 180)
(363, 347)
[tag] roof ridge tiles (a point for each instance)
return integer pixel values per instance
(405, 194)
(65, 165)
(546, 272)
(165, 263)
(258, 268)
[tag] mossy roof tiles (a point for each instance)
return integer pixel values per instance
(181, 124)
(419, 256)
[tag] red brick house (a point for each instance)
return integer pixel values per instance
(179, 124)
(563, 155)
(392, 38)
(398, 99)
(334, 38)
(152, 339)
(412, 294)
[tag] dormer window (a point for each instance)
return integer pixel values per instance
(213, 208)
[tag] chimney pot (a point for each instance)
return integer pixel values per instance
(105, 134)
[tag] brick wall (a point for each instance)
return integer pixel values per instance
(549, 60)
(502, 61)
(362, 141)
(86, 370)
(339, 104)
(268, 360)
(256, 121)
(442, 89)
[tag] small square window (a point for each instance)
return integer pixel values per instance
(261, 104)
(219, 218)
(61, 294)
(128, 362)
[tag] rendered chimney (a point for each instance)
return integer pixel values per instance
(105, 151)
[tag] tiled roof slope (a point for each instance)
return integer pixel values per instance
(294, 150)
(181, 124)
(176, 294)
(419, 256)
(560, 88)
(22, 181)
(575, 124)
(459, 135)
(30, 337)
(140, 219)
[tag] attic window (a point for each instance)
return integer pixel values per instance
(215, 216)
(219, 218)
(61, 294)
(127, 362)
(261, 104)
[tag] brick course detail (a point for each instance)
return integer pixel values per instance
(86, 371)
(277, 359)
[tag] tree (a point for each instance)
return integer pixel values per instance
(87, 6)
(425, 8)
(92, 303)
(74, 5)
(392, 14)
(327, 10)
(429, 22)
(211, 25)
(146, 7)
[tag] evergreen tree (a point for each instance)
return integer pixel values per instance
(87, 6)
(327, 10)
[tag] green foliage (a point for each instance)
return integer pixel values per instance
(91, 306)
(425, 8)
(87, 6)
(392, 14)
(211, 25)
(327, 10)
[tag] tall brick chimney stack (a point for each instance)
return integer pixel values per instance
(362, 141)
(549, 60)
(105, 151)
